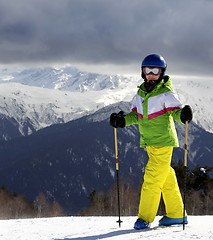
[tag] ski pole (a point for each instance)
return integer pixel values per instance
(185, 174)
(117, 171)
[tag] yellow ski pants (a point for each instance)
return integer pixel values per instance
(160, 178)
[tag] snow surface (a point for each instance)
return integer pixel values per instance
(91, 228)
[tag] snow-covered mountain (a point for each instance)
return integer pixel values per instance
(70, 158)
(198, 93)
(33, 108)
(66, 79)
(35, 98)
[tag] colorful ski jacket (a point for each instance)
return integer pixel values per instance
(154, 113)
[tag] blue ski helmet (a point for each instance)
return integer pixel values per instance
(154, 60)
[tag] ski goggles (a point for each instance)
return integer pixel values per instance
(151, 70)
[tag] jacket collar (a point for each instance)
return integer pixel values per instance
(165, 82)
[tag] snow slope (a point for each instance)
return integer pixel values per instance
(91, 228)
(45, 107)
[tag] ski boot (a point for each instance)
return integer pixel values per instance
(141, 224)
(166, 221)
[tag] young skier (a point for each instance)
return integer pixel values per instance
(153, 108)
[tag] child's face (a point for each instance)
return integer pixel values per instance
(152, 77)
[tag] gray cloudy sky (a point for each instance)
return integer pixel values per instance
(108, 35)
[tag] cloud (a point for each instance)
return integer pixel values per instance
(119, 33)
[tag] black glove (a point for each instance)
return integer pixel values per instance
(117, 120)
(186, 114)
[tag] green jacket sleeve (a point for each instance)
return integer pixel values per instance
(131, 118)
(176, 115)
